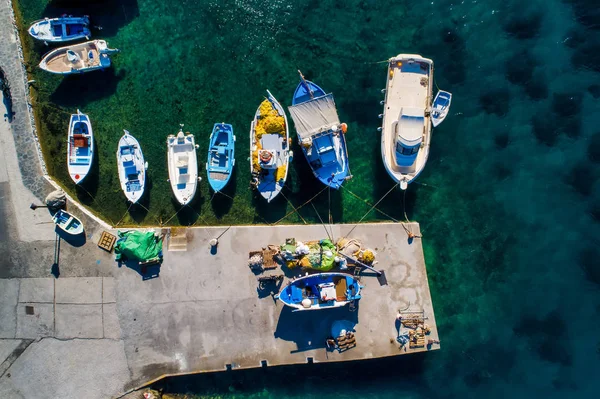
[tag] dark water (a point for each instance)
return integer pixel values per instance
(509, 203)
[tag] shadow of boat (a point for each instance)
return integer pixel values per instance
(75, 240)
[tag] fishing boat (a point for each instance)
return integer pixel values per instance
(270, 148)
(320, 291)
(441, 106)
(68, 223)
(132, 168)
(406, 129)
(183, 166)
(320, 133)
(221, 156)
(78, 58)
(80, 147)
(63, 29)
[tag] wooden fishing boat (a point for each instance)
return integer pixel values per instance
(183, 166)
(320, 133)
(441, 106)
(80, 147)
(78, 58)
(270, 148)
(68, 223)
(406, 129)
(221, 156)
(320, 291)
(131, 166)
(63, 29)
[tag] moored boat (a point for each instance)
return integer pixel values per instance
(78, 58)
(320, 133)
(320, 291)
(440, 108)
(221, 156)
(63, 29)
(183, 166)
(80, 147)
(68, 223)
(269, 148)
(406, 129)
(131, 166)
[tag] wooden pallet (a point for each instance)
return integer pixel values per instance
(107, 241)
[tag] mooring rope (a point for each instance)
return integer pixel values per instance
(123, 217)
(368, 203)
(324, 226)
(293, 207)
(298, 208)
(369, 211)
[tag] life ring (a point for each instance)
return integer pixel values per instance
(344, 128)
(265, 156)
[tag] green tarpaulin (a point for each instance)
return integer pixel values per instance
(138, 245)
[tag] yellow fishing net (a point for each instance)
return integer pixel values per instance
(269, 121)
(280, 173)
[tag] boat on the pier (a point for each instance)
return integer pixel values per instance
(320, 133)
(63, 29)
(132, 168)
(441, 106)
(269, 148)
(406, 129)
(183, 166)
(80, 147)
(78, 58)
(221, 156)
(320, 291)
(68, 223)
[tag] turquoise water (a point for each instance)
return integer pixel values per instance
(509, 203)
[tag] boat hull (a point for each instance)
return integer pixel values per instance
(265, 179)
(131, 167)
(221, 156)
(183, 166)
(60, 30)
(68, 223)
(320, 291)
(80, 157)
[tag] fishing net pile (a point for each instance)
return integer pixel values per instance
(269, 122)
(316, 255)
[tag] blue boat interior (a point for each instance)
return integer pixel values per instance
(80, 144)
(221, 156)
(321, 289)
(304, 90)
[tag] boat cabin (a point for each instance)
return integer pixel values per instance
(409, 130)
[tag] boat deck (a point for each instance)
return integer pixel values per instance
(60, 63)
(205, 312)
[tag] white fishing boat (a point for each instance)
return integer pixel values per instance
(78, 58)
(269, 148)
(63, 29)
(183, 166)
(441, 106)
(80, 147)
(68, 223)
(406, 129)
(131, 166)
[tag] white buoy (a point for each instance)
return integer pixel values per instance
(306, 303)
(214, 242)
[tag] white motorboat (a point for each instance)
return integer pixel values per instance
(68, 223)
(269, 148)
(78, 58)
(441, 106)
(132, 168)
(80, 147)
(183, 166)
(63, 29)
(406, 129)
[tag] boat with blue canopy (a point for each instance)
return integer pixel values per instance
(67, 223)
(221, 156)
(320, 133)
(63, 29)
(320, 291)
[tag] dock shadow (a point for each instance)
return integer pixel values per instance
(310, 329)
(76, 241)
(80, 90)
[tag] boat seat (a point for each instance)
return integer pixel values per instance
(221, 150)
(183, 178)
(341, 287)
(182, 161)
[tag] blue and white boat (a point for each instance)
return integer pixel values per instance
(221, 156)
(80, 147)
(320, 133)
(320, 291)
(67, 223)
(59, 30)
(440, 108)
(131, 166)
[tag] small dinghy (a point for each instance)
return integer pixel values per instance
(221, 156)
(78, 58)
(80, 147)
(63, 29)
(183, 166)
(320, 291)
(320, 133)
(270, 150)
(132, 169)
(441, 106)
(68, 223)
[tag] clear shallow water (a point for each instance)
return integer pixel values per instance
(509, 202)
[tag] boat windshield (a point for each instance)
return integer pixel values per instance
(406, 151)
